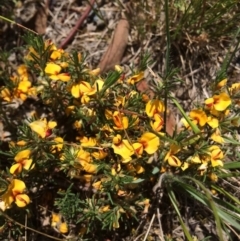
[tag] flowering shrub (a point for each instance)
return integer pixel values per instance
(101, 145)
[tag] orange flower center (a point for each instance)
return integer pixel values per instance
(138, 150)
(15, 193)
(21, 199)
(144, 143)
(217, 155)
(118, 122)
(48, 132)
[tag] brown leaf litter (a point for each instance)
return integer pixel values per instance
(117, 47)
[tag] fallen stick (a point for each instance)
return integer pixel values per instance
(77, 26)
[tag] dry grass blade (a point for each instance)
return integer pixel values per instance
(78, 24)
(28, 228)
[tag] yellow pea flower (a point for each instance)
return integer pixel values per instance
(120, 101)
(135, 78)
(21, 143)
(24, 86)
(171, 158)
(89, 112)
(146, 204)
(139, 169)
(85, 160)
(120, 121)
(88, 141)
(213, 122)
(138, 148)
(87, 178)
(56, 54)
(85, 99)
(83, 156)
(98, 84)
(218, 102)
(22, 69)
(58, 146)
(69, 109)
(88, 167)
(104, 209)
(153, 107)
(23, 161)
(216, 156)
(236, 121)
(63, 228)
(15, 193)
(95, 72)
(196, 159)
(65, 77)
(235, 88)
(78, 124)
(216, 136)
(203, 167)
(213, 177)
(31, 51)
(122, 193)
(50, 45)
(97, 185)
(198, 117)
(56, 218)
(64, 64)
(83, 89)
(23, 89)
(118, 68)
(57, 222)
(53, 70)
(47, 44)
(42, 127)
(122, 148)
(6, 95)
(145, 98)
(185, 166)
(108, 114)
(221, 84)
(106, 129)
(150, 142)
(101, 154)
(158, 122)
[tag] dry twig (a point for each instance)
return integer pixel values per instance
(78, 24)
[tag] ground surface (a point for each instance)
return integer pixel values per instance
(103, 31)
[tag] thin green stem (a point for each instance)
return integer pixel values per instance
(193, 126)
(167, 64)
(19, 25)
